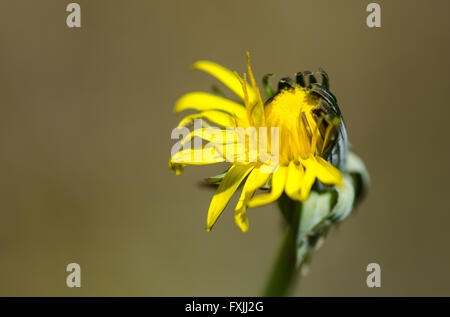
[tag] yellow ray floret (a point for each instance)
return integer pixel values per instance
(203, 101)
(255, 180)
(226, 189)
(226, 76)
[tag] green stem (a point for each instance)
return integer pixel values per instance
(285, 268)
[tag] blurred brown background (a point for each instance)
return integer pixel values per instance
(85, 123)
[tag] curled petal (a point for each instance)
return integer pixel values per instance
(226, 76)
(326, 173)
(278, 183)
(294, 180)
(255, 180)
(308, 180)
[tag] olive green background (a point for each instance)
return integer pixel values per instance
(85, 123)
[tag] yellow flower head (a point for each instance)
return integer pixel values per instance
(288, 161)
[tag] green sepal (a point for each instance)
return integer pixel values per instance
(318, 214)
(361, 177)
(311, 78)
(216, 179)
(267, 87)
(299, 79)
(286, 83)
(322, 210)
(325, 78)
(309, 222)
(312, 219)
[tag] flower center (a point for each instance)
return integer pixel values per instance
(290, 111)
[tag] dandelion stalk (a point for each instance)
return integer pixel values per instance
(285, 268)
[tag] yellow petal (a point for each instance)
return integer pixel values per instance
(218, 117)
(226, 76)
(294, 180)
(278, 183)
(194, 157)
(324, 171)
(176, 168)
(255, 180)
(226, 189)
(259, 179)
(308, 180)
(215, 136)
(327, 173)
(257, 112)
(203, 101)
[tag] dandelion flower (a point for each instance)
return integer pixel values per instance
(311, 138)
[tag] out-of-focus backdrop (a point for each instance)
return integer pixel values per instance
(85, 123)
